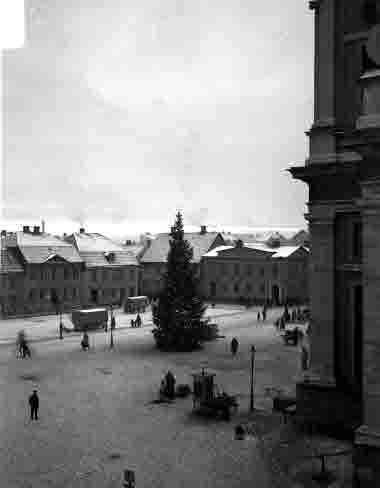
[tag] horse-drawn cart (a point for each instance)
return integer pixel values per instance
(208, 400)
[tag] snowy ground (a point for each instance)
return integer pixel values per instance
(47, 327)
(97, 419)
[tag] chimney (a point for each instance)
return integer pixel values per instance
(81, 230)
(36, 229)
(43, 226)
(26, 229)
(203, 229)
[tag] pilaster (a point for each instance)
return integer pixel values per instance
(369, 432)
(321, 222)
(322, 133)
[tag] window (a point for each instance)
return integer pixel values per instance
(370, 12)
(66, 274)
(249, 269)
(65, 293)
(31, 295)
(33, 275)
(275, 270)
(42, 275)
(113, 292)
(76, 274)
(11, 283)
(262, 289)
(93, 275)
(236, 268)
(132, 274)
(236, 288)
(42, 294)
(75, 292)
(131, 291)
(262, 271)
(105, 275)
(53, 273)
(212, 289)
(356, 240)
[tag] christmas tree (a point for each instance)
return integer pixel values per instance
(178, 314)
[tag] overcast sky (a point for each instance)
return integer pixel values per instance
(127, 110)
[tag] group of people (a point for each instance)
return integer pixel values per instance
(137, 322)
(262, 314)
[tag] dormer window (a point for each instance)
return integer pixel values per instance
(110, 256)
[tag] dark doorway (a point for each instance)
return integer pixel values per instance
(212, 289)
(276, 295)
(94, 296)
(122, 295)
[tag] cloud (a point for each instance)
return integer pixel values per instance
(129, 110)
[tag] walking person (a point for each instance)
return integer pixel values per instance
(113, 323)
(264, 313)
(258, 316)
(170, 385)
(85, 343)
(138, 320)
(34, 403)
(234, 346)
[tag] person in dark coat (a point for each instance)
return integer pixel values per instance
(170, 385)
(34, 403)
(85, 343)
(113, 323)
(234, 346)
(138, 320)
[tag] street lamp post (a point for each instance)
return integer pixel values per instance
(60, 323)
(112, 326)
(253, 351)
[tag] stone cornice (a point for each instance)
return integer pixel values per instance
(317, 170)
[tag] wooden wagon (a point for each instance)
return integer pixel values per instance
(207, 398)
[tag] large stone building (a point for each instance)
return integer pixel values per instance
(343, 175)
(111, 271)
(153, 262)
(256, 273)
(39, 272)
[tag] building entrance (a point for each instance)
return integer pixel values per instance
(276, 295)
(94, 296)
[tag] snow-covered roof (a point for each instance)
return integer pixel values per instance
(215, 252)
(278, 252)
(286, 251)
(95, 249)
(159, 247)
(94, 242)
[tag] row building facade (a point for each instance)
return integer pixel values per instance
(256, 273)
